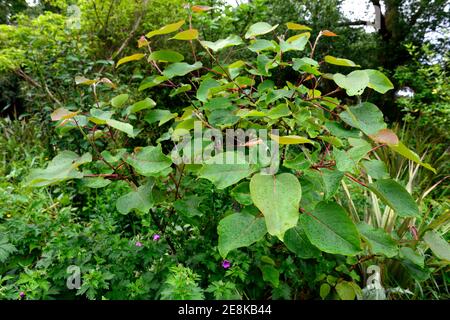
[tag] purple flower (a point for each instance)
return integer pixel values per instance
(138, 244)
(156, 237)
(22, 294)
(226, 264)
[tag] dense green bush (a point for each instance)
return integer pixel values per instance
(123, 194)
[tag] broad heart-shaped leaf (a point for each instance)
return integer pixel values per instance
(225, 169)
(401, 149)
(259, 29)
(166, 29)
(329, 228)
(239, 230)
(119, 100)
(180, 69)
(378, 81)
(278, 198)
(379, 241)
(296, 241)
(230, 41)
(62, 167)
(148, 161)
(159, 115)
(354, 83)
(396, 197)
(147, 103)
(340, 61)
(166, 56)
(190, 34)
(364, 116)
(141, 199)
(290, 139)
(438, 245)
(134, 57)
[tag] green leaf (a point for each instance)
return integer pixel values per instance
(223, 117)
(297, 42)
(296, 241)
(270, 274)
(225, 169)
(239, 230)
(437, 244)
(203, 92)
(148, 161)
(6, 249)
(396, 197)
(241, 193)
(376, 169)
(166, 56)
(401, 149)
(345, 291)
(324, 290)
(190, 34)
(151, 82)
(296, 26)
(62, 167)
(181, 89)
(331, 181)
(121, 126)
(412, 256)
(119, 101)
(230, 41)
(189, 206)
(180, 69)
(329, 228)
(141, 199)
(159, 115)
(281, 110)
(364, 116)
(290, 139)
(134, 57)
(95, 183)
(340, 62)
(378, 81)
(259, 29)
(261, 45)
(166, 29)
(354, 83)
(379, 241)
(147, 103)
(278, 198)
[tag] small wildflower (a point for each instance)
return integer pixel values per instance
(22, 294)
(226, 264)
(138, 244)
(156, 237)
